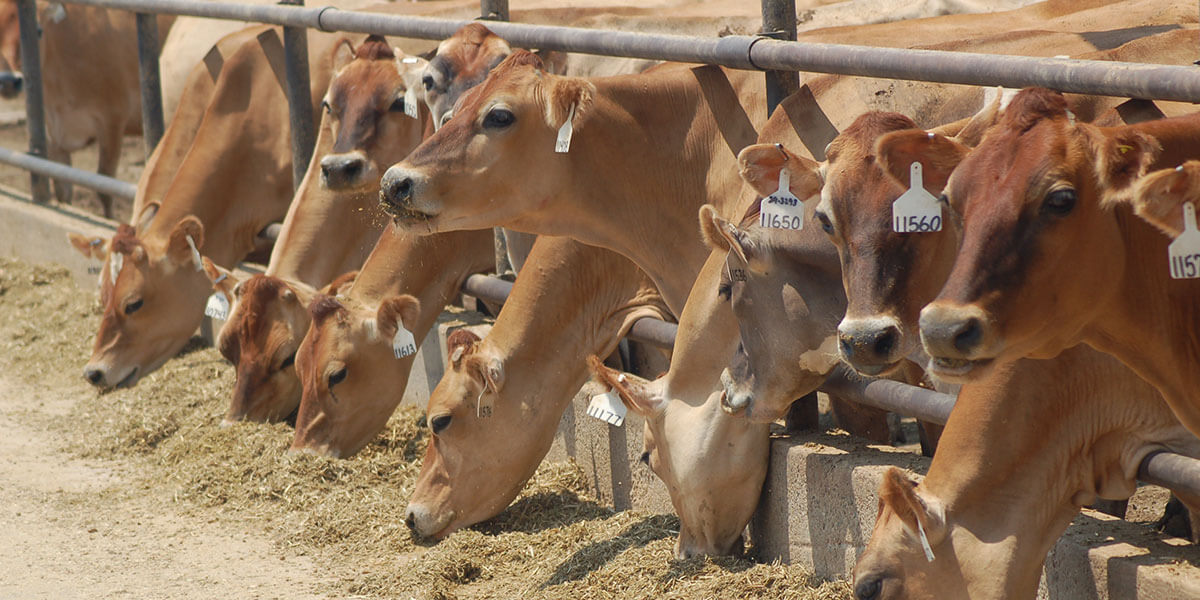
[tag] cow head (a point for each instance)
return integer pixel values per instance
(374, 90)
(784, 289)
(476, 170)
(1036, 198)
(713, 464)
(462, 62)
(1159, 196)
(481, 431)
(351, 379)
(11, 79)
(894, 564)
(153, 292)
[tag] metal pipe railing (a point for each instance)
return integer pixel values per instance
(35, 112)
(779, 22)
(1135, 80)
(300, 109)
(150, 79)
(48, 168)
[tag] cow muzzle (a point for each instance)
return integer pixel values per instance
(11, 83)
(344, 171)
(398, 191)
(104, 378)
(872, 346)
(424, 524)
(957, 339)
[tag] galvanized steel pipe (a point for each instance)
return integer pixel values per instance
(150, 81)
(87, 179)
(300, 110)
(779, 22)
(35, 109)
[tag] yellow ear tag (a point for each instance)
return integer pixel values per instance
(1124, 149)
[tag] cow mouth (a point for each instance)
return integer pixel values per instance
(129, 380)
(403, 215)
(877, 370)
(957, 368)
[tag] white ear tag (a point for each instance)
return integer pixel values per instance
(403, 343)
(195, 254)
(564, 133)
(1185, 250)
(924, 542)
(484, 404)
(217, 306)
(608, 408)
(410, 103)
(916, 210)
(58, 12)
(115, 263)
(782, 210)
(409, 60)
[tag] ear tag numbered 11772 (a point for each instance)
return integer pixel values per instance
(916, 210)
(608, 408)
(403, 343)
(782, 210)
(1185, 250)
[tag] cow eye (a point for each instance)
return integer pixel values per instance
(439, 423)
(427, 81)
(823, 219)
(397, 105)
(337, 377)
(289, 361)
(1059, 202)
(133, 307)
(499, 118)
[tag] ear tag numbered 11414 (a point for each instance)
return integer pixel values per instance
(1184, 252)
(403, 343)
(782, 210)
(916, 210)
(608, 408)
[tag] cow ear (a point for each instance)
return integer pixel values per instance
(1159, 196)
(185, 242)
(569, 96)
(490, 369)
(223, 280)
(723, 236)
(938, 155)
(553, 61)
(994, 101)
(460, 344)
(1121, 159)
(760, 165)
(341, 284)
(918, 511)
(342, 54)
(146, 216)
(396, 311)
(89, 247)
(637, 394)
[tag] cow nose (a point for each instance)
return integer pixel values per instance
(10, 84)
(410, 519)
(340, 170)
(868, 341)
(94, 376)
(396, 189)
(953, 331)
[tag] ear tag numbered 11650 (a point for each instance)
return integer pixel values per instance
(782, 210)
(916, 210)
(403, 343)
(1185, 250)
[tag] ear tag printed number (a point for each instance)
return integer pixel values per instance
(410, 103)
(782, 210)
(608, 408)
(403, 343)
(1184, 252)
(484, 404)
(563, 143)
(195, 254)
(217, 306)
(916, 210)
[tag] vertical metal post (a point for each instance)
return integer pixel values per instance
(497, 10)
(150, 80)
(779, 22)
(493, 10)
(299, 96)
(35, 110)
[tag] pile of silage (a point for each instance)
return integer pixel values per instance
(555, 541)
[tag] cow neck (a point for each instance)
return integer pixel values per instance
(1153, 322)
(705, 340)
(572, 300)
(1076, 414)
(664, 149)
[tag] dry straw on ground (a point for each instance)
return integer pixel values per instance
(555, 541)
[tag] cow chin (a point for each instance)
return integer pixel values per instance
(693, 546)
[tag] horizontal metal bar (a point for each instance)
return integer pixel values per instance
(1155, 82)
(87, 179)
(893, 396)
(1174, 471)
(492, 289)
(655, 332)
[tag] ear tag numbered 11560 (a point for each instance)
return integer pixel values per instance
(916, 210)
(403, 343)
(782, 210)
(1185, 250)
(608, 408)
